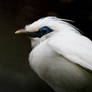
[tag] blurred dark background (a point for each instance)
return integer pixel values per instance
(15, 73)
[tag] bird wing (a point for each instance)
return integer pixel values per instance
(74, 47)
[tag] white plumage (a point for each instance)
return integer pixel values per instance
(63, 57)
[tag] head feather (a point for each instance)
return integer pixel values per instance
(56, 24)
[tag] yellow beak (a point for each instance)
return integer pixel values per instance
(21, 31)
(26, 33)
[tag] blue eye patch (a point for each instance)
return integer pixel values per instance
(42, 31)
(45, 30)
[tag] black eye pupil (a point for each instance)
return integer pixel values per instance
(44, 31)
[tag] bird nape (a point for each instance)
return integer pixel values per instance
(61, 55)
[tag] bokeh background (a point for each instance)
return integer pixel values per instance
(15, 72)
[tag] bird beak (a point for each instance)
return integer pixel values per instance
(26, 33)
(21, 31)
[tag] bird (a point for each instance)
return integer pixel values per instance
(61, 55)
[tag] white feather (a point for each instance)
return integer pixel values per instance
(58, 56)
(75, 47)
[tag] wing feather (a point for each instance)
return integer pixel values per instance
(74, 47)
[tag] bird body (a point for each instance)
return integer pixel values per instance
(58, 71)
(61, 57)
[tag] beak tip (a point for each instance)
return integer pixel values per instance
(20, 32)
(17, 32)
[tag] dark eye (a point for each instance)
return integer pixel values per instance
(44, 30)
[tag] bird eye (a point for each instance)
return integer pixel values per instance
(44, 30)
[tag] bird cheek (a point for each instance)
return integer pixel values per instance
(34, 42)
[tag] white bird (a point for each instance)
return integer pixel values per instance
(61, 55)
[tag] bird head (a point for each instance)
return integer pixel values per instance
(44, 28)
